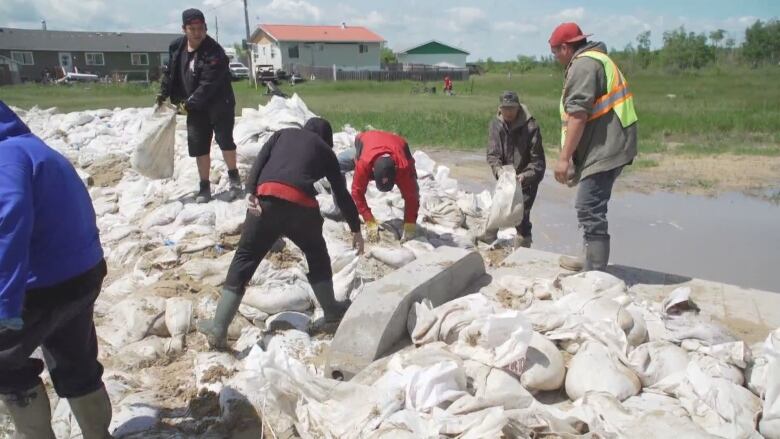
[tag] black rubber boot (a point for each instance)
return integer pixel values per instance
(332, 309)
(93, 413)
(216, 329)
(204, 194)
(596, 253)
(31, 413)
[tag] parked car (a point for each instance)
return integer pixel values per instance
(238, 71)
(265, 73)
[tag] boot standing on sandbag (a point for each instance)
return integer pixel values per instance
(281, 201)
(598, 136)
(514, 138)
(197, 80)
(385, 157)
(51, 272)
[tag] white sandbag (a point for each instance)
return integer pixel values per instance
(719, 406)
(445, 322)
(612, 377)
(179, 314)
(443, 211)
(144, 352)
(229, 216)
(162, 215)
(136, 413)
(273, 297)
(151, 265)
(212, 368)
(717, 368)
(597, 283)
(638, 333)
(770, 420)
(545, 316)
(423, 163)
(499, 340)
(394, 257)
(209, 271)
(544, 368)
(657, 360)
(154, 146)
(288, 320)
(429, 387)
(131, 320)
(507, 206)
(736, 353)
(345, 281)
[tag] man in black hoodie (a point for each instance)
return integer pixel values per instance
(281, 202)
(197, 80)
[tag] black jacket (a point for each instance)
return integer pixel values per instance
(213, 90)
(300, 157)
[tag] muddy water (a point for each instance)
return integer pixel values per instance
(731, 238)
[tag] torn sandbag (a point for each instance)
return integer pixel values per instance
(507, 205)
(394, 257)
(657, 360)
(154, 147)
(544, 369)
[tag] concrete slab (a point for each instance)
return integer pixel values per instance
(375, 324)
(751, 313)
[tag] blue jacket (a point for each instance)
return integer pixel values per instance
(47, 224)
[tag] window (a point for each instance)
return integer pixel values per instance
(164, 58)
(363, 48)
(292, 52)
(94, 59)
(139, 59)
(24, 58)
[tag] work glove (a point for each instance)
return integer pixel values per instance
(182, 108)
(14, 324)
(160, 99)
(357, 242)
(253, 205)
(410, 231)
(372, 231)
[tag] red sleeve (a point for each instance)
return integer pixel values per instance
(407, 184)
(359, 186)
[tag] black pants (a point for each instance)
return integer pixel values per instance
(302, 225)
(593, 195)
(202, 124)
(529, 196)
(58, 319)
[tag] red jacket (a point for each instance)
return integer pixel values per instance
(369, 146)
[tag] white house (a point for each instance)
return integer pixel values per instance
(434, 53)
(287, 46)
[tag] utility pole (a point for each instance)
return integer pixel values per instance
(216, 22)
(249, 45)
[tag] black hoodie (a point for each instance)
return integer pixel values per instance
(300, 157)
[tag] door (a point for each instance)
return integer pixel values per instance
(66, 62)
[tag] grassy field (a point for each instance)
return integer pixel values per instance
(711, 112)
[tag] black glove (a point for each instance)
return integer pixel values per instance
(160, 99)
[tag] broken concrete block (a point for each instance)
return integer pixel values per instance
(375, 324)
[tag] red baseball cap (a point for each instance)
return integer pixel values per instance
(566, 33)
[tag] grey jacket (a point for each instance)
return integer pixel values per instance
(605, 144)
(519, 145)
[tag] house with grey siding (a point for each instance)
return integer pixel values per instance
(134, 55)
(288, 47)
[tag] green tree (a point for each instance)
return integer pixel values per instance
(685, 50)
(525, 63)
(717, 36)
(762, 42)
(387, 56)
(643, 54)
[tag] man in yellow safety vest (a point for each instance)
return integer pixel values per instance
(598, 136)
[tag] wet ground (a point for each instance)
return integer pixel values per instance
(728, 237)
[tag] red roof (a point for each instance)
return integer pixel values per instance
(294, 32)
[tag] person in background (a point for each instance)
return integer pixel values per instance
(514, 138)
(197, 80)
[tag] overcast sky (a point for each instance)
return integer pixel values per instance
(501, 29)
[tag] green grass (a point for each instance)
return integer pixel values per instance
(735, 111)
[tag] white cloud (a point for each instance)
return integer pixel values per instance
(514, 27)
(571, 14)
(372, 20)
(463, 18)
(291, 10)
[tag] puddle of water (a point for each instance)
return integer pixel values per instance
(732, 238)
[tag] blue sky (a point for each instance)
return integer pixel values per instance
(501, 29)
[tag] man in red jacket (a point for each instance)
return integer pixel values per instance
(385, 158)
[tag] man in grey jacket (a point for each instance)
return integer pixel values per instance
(598, 136)
(514, 138)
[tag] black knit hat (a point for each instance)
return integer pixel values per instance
(190, 15)
(384, 173)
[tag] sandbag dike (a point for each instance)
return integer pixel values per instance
(507, 348)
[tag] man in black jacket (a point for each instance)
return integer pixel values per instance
(197, 80)
(281, 202)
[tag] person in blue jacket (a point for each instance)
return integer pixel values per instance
(51, 272)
